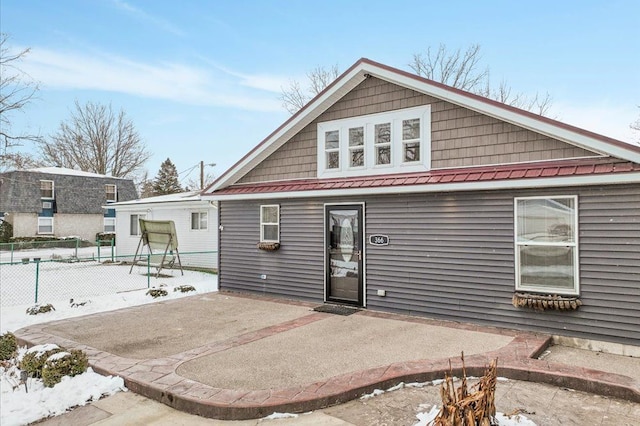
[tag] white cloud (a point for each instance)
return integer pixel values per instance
(144, 16)
(171, 81)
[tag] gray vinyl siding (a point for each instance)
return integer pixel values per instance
(451, 256)
(294, 271)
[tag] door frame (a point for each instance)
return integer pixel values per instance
(363, 278)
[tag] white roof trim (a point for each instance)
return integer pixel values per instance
(356, 74)
(539, 183)
(530, 123)
(298, 122)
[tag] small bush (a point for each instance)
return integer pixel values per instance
(184, 288)
(8, 346)
(157, 292)
(33, 361)
(6, 231)
(63, 364)
(37, 309)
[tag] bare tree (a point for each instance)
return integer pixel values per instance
(294, 97)
(193, 184)
(96, 140)
(17, 90)
(635, 126)
(145, 185)
(462, 70)
(456, 69)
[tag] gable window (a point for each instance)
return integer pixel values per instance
(45, 225)
(546, 243)
(109, 224)
(356, 146)
(382, 135)
(46, 189)
(199, 221)
(397, 141)
(134, 224)
(332, 149)
(270, 223)
(411, 140)
(111, 191)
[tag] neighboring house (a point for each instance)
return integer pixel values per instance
(392, 192)
(196, 222)
(60, 202)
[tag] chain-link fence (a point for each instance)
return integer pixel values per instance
(42, 276)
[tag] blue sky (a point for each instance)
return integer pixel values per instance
(201, 79)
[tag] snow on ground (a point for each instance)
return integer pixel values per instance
(19, 406)
(77, 280)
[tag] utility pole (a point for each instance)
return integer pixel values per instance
(201, 175)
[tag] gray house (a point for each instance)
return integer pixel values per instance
(395, 193)
(59, 202)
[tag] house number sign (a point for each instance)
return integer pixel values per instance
(379, 240)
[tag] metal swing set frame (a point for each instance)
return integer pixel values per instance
(161, 240)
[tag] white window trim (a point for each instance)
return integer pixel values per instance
(574, 244)
(53, 189)
(262, 223)
(111, 220)
(199, 213)
(47, 218)
(115, 192)
(368, 122)
(139, 216)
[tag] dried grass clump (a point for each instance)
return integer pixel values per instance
(462, 407)
(184, 288)
(40, 309)
(545, 302)
(157, 292)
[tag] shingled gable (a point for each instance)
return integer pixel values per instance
(611, 170)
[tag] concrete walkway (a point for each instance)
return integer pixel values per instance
(228, 356)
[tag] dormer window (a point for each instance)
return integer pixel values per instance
(391, 142)
(46, 189)
(112, 193)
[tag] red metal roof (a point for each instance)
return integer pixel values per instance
(468, 174)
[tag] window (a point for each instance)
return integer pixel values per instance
(411, 140)
(199, 220)
(270, 224)
(134, 224)
(109, 224)
(45, 225)
(391, 142)
(546, 244)
(332, 149)
(382, 143)
(46, 189)
(112, 194)
(356, 146)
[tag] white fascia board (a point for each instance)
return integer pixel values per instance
(194, 204)
(538, 183)
(297, 123)
(542, 127)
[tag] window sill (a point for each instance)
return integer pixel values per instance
(541, 302)
(269, 246)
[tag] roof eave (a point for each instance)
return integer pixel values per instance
(529, 183)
